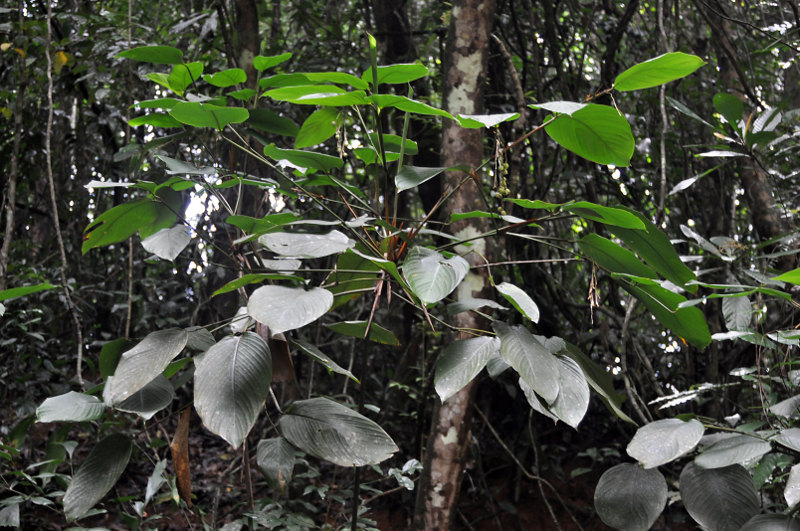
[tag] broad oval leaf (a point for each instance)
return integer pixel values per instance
(397, 74)
(629, 497)
(275, 458)
(317, 128)
(531, 359)
(226, 78)
(324, 95)
(572, 401)
(71, 407)
(231, 383)
(789, 438)
(331, 431)
(141, 364)
(598, 133)
(150, 399)
(657, 71)
(283, 308)
(304, 245)
(792, 491)
(665, 440)
(161, 55)
(156, 119)
(460, 362)
(734, 450)
(304, 159)
(520, 300)
(167, 243)
(431, 276)
(771, 522)
(408, 105)
(208, 115)
(730, 107)
(719, 499)
(789, 408)
(377, 333)
(261, 62)
(97, 474)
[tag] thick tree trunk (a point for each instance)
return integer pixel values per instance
(464, 75)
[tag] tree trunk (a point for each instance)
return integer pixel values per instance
(464, 75)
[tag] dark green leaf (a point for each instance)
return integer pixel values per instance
(304, 159)
(396, 74)
(150, 399)
(719, 498)
(317, 355)
(226, 78)
(630, 498)
(730, 107)
(275, 458)
(162, 55)
(616, 217)
(665, 440)
(377, 333)
(156, 119)
(270, 122)
(460, 362)
(406, 104)
(70, 407)
(317, 128)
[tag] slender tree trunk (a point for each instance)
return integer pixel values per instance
(464, 75)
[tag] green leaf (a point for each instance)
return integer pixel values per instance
(394, 143)
(227, 78)
(730, 107)
(430, 275)
(21, 291)
(208, 115)
(572, 401)
(97, 474)
(304, 159)
(331, 431)
(412, 176)
(150, 399)
(460, 362)
(141, 364)
(397, 74)
(598, 133)
(243, 95)
(305, 245)
(70, 407)
(270, 122)
(612, 257)
(167, 243)
(654, 247)
(792, 491)
(155, 481)
(317, 128)
(377, 333)
(719, 498)
(317, 355)
(158, 103)
(658, 71)
(629, 498)
(408, 105)
(531, 359)
(352, 273)
(536, 204)
(156, 119)
(109, 356)
(284, 309)
(477, 121)
(119, 223)
(262, 63)
(324, 95)
(792, 277)
(738, 313)
(738, 449)
(789, 408)
(162, 55)
(520, 300)
(261, 225)
(616, 217)
(790, 438)
(665, 440)
(252, 278)
(184, 75)
(275, 458)
(231, 383)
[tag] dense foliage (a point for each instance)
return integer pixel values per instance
(249, 267)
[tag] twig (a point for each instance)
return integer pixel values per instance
(54, 204)
(635, 398)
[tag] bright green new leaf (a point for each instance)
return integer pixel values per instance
(792, 277)
(433, 277)
(21, 291)
(595, 132)
(162, 55)
(615, 217)
(304, 159)
(535, 204)
(183, 75)
(476, 121)
(317, 128)
(208, 114)
(158, 103)
(657, 71)
(397, 74)
(70, 407)
(377, 333)
(242, 95)
(331, 431)
(96, 475)
(261, 62)
(393, 143)
(730, 107)
(156, 119)
(231, 383)
(630, 498)
(324, 95)
(119, 223)
(226, 78)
